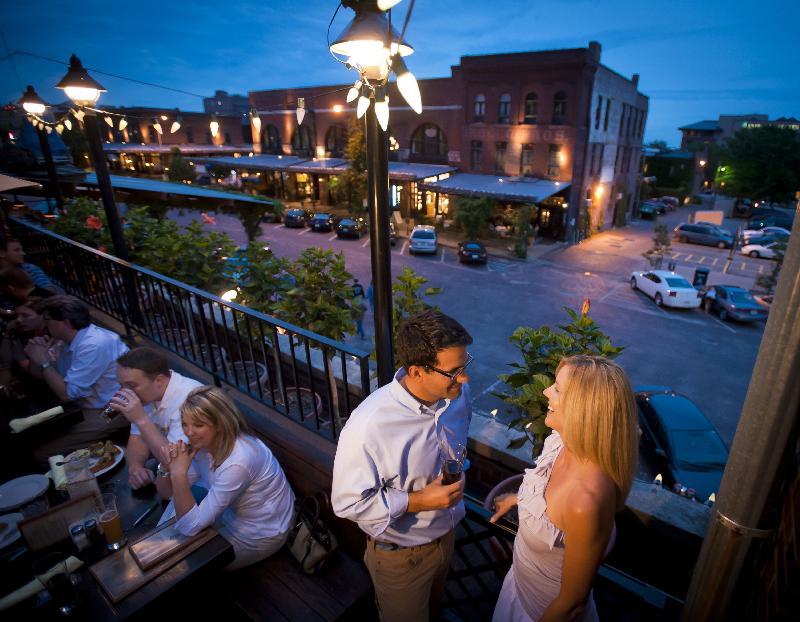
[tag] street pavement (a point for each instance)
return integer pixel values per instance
(696, 354)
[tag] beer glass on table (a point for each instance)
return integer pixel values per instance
(110, 522)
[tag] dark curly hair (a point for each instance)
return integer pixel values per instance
(421, 337)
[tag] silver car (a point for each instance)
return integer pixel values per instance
(423, 240)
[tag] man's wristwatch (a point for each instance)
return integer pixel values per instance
(45, 365)
(161, 471)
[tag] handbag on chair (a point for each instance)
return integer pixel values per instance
(310, 541)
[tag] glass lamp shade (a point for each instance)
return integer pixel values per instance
(79, 86)
(31, 102)
(364, 39)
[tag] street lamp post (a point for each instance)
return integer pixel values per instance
(33, 104)
(374, 49)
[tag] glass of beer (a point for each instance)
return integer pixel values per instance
(110, 522)
(453, 455)
(52, 572)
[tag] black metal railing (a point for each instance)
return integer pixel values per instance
(312, 379)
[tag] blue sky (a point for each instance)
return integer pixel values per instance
(696, 59)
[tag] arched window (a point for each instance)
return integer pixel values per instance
(271, 140)
(429, 144)
(303, 141)
(336, 140)
(479, 108)
(504, 109)
(531, 108)
(559, 108)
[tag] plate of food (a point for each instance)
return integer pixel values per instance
(103, 456)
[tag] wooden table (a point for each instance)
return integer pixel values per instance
(95, 605)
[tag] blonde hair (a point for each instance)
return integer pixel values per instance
(209, 405)
(599, 418)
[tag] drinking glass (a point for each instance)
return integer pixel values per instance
(110, 522)
(453, 455)
(51, 570)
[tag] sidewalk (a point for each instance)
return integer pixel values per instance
(503, 247)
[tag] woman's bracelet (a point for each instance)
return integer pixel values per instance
(161, 471)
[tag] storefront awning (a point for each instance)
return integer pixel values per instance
(514, 189)
(184, 149)
(167, 187)
(255, 163)
(320, 166)
(8, 183)
(409, 171)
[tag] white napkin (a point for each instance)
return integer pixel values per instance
(57, 473)
(18, 425)
(34, 587)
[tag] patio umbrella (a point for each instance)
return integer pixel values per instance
(9, 184)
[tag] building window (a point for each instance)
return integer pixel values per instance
(598, 112)
(209, 138)
(429, 144)
(554, 161)
(608, 111)
(531, 108)
(475, 154)
(600, 159)
(559, 108)
(504, 109)
(526, 160)
(303, 141)
(271, 140)
(500, 156)
(479, 109)
(622, 119)
(227, 138)
(336, 140)
(153, 135)
(189, 135)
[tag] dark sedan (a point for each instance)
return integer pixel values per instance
(735, 303)
(322, 222)
(350, 228)
(471, 251)
(296, 218)
(687, 448)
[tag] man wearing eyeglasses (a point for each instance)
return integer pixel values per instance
(387, 475)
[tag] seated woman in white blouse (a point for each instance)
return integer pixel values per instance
(249, 500)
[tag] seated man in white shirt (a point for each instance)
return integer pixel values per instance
(151, 398)
(387, 471)
(78, 361)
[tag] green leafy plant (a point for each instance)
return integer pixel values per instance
(662, 244)
(180, 169)
(353, 182)
(266, 279)
(407, 299)
(542, 349)
(521, 231)
(84, 221)
(472, 214)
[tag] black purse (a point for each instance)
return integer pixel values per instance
(310, 541)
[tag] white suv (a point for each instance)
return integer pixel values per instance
(423, 240)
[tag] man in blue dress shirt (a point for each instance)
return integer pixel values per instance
(387, 472)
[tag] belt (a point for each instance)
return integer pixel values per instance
(392, 546)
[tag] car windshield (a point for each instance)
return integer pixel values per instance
(475, 248)
(322, 216)
(673, 281)
(424, 235)
(741, 296)
(698, 450)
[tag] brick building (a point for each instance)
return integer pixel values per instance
(557, 115)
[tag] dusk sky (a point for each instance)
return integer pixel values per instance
(696, 59)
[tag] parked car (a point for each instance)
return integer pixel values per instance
(423, 240)
(671, 203)
(350, 228)
(751, 235)
(472, 251)
(687, 448)
(322, 222)
(733, 302)
(650, 209)
(666, 288)
(763, 247)
(703, 233)
(296, 218)
(771, 217)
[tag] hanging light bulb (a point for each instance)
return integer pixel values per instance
(157, 126)
(354, 91)
(255, 120)
(382, 107)
(363, 102)
(49, 129)
(68, 124)
(385, 5)
(123, 123)
(301, 110)
(31, 102)
(59, 129)
(109, 121)
(79, 114)
(407, 84)
(176, 124)
(214, 125)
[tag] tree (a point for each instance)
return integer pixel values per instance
(472, 213)
(522, 228)
(769, 281)
(180, 169)
(78, 146)
(662, 244)
(542, 350)
(353, 182)
(762, 163)
(658, 144)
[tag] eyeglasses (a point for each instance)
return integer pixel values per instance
(453, 375)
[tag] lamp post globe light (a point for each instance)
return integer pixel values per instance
(35, 105)
(372, 47)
